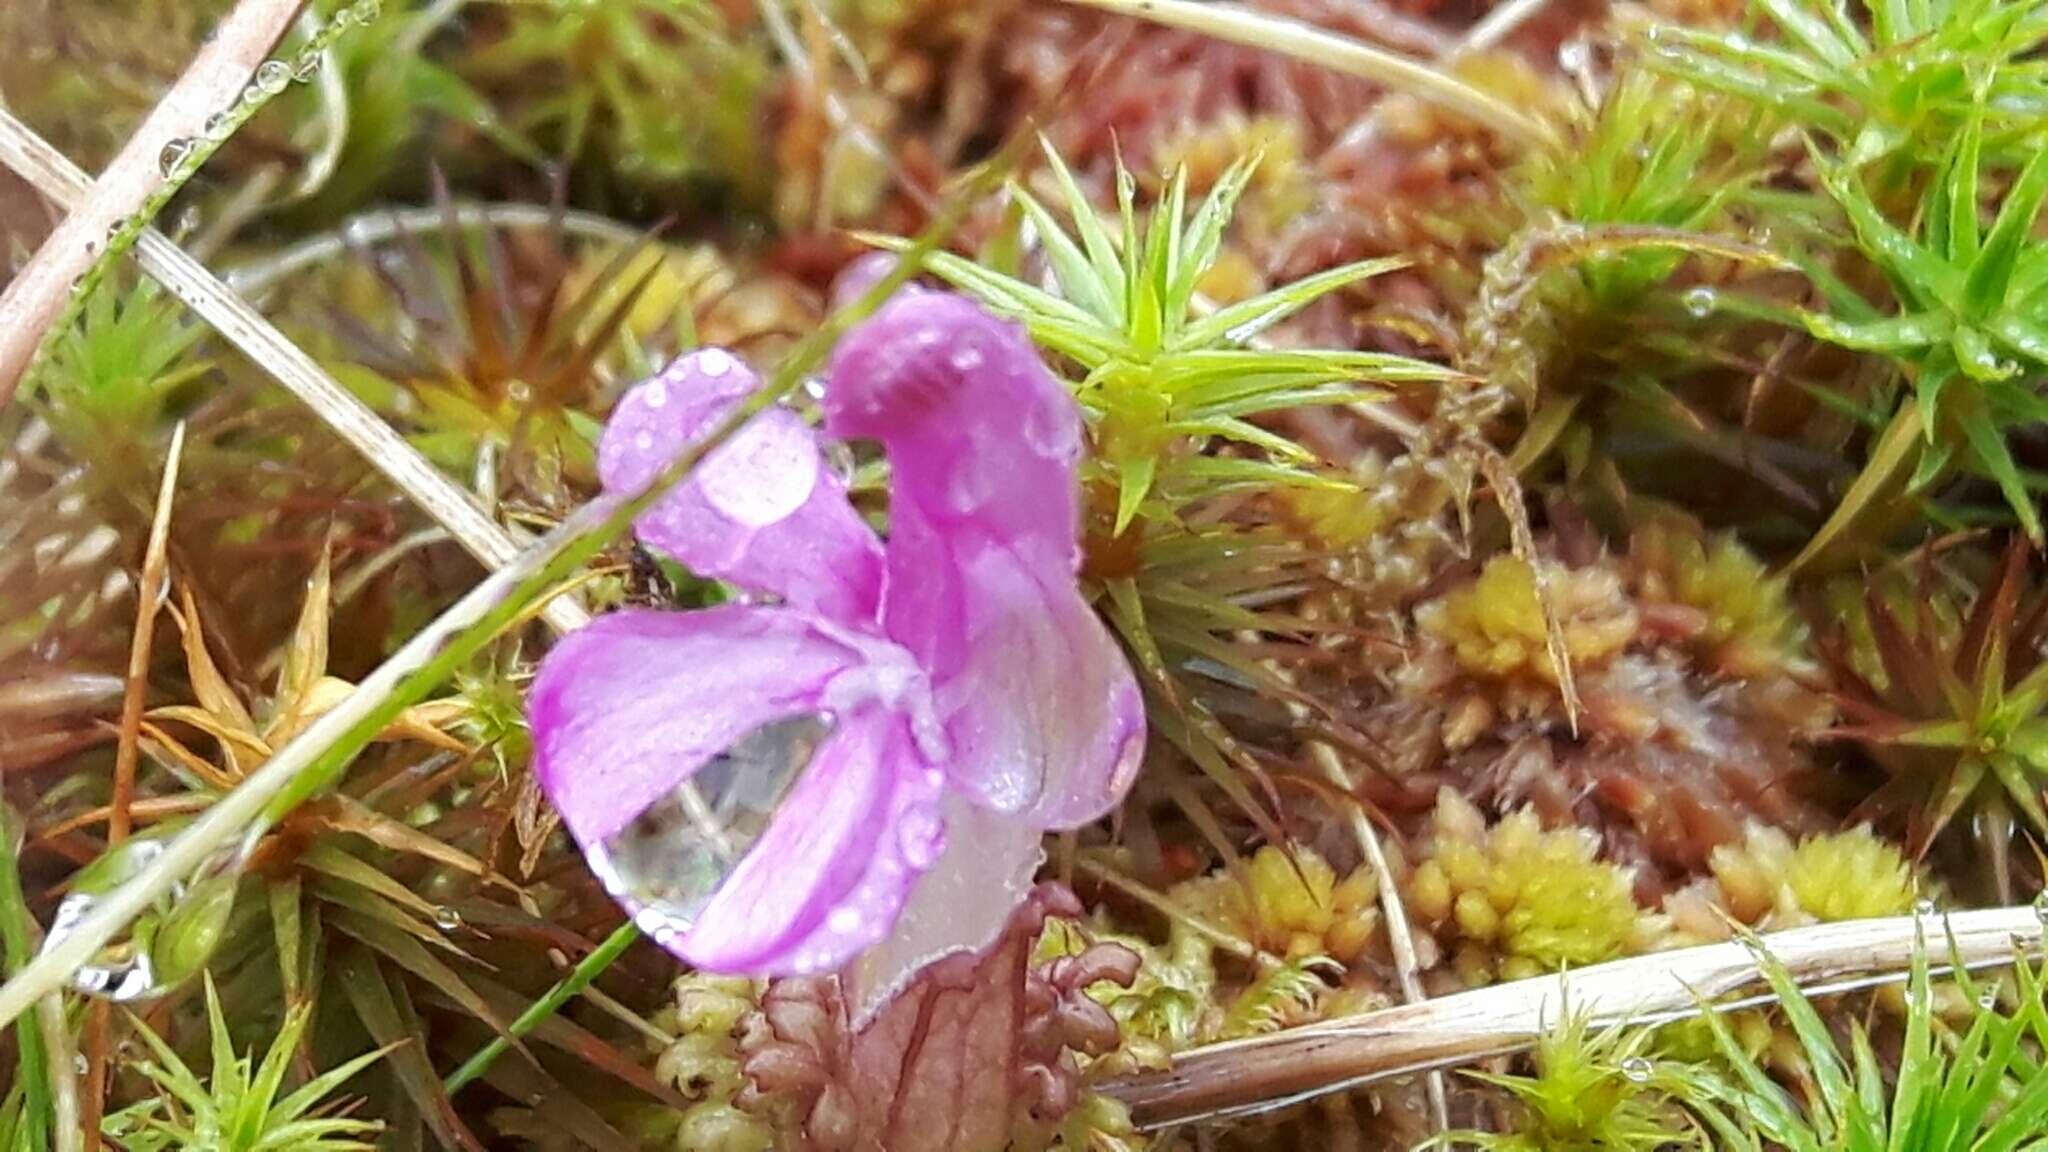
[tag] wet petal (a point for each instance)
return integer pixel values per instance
(835, 866)
(976, 428)
(1043, 713)
(626, 709)
(763, 511)
(961, 905)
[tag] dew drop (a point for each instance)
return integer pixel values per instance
(1636, 1070)
(447, 919)
(1700, 302)
(655, 395)
(966, 358)
(1924, 907)
(1987, 999)
(921, 837)
(308, 66)
(519, 393)
(173, 157)
(814, 387)
(714, 362)
(218, 126)
(1049, 431)
(669, 861)
(81, 1064)
(368, 10)
(2041, 907)
(273, 76)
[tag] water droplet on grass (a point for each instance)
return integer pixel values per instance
(173, 157)
(273, 76)
(1637, 1070)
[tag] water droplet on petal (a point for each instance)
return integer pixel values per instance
(921, 837)
(1637, 1070)
(670, 860)
(714, 362)
(966, 358)
(273, 76)
(1051, 431)
(1700, 302)
(974, 484)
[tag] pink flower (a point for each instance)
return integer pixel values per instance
(863, 769)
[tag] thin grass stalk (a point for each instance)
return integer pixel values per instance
(148, 595)
(1306, 42)
(1400, 934)
(537, 1013)
(383, 225)
(439, 497)
(1266, 1072)
(216, 77)
(44, 1052)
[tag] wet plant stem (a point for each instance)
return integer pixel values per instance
(587, 970)
(217, 76)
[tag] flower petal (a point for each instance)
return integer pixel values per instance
(762, 511)
(835, 865)
(1045, 718)
(975, 426)
(961, 904)
(628, 708)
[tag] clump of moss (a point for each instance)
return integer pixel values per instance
(1515, 900)
(1715, 597)
(1495, 626)
(703, 1065)
(1768, 882)
(1291, 902)
(1493, 632)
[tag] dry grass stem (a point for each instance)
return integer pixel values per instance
(218, 74)
(1250, 27)
(1266, 1072)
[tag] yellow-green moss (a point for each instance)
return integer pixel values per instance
(1515, 900)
